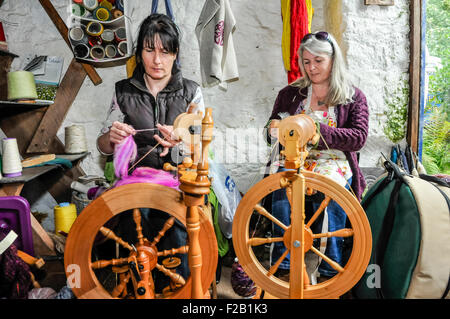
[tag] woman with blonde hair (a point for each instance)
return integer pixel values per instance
(340, 110)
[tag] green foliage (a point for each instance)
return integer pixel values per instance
(436, 133)
(436, 141)
(396, 113)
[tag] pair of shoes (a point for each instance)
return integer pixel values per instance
(282, 274)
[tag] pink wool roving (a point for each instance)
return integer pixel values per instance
(124, 154)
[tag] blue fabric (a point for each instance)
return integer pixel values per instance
(169, 10)
(336, 220)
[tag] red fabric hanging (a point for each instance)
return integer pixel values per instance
(299, 28)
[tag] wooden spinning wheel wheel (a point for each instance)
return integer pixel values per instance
(298, 237)
(134, 270)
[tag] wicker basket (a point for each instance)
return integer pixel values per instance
(80, 201)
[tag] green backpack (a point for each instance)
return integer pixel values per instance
(410, 222)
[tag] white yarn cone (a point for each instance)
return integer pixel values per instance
(75, 139)
(11, 163)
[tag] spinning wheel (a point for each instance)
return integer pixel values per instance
(135, 269)
(298, 237)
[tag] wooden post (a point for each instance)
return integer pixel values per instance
(412, 133)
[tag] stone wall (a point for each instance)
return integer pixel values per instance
(375, 40)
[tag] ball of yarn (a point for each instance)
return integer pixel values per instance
(241, 282)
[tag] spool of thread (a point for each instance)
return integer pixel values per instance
(110, 51)
(120, 34)
(116, 13)
(90, 4)
(78, 35)
(107, 36)
(65, 215)
(119, 5)
(78, 1)
(94, 28)
(81, 51)
(95, 40)
(97, 52)
(102, 14)
(11, 163)
(79, 10)
(122, 48)
(113, 2)
(106, 4)
(75, 139)
(21, 86)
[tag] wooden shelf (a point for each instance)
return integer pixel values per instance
(15, 107)
(28, 174)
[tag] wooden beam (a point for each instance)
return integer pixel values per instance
(412, 133)
(62, 28)
(53, 118)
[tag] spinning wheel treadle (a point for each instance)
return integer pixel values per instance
(91, 222)
(347, 276)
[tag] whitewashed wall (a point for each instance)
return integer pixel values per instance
(375, 38)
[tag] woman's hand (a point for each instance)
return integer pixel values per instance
(119, 131)
(273, 128)
(167, 141)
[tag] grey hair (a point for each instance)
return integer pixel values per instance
(341, 88)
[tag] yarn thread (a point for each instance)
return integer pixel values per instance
(75, 139)
(65, 215)
(241, 282)
(11, 163)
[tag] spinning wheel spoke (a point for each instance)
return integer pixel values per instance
(319, 210)
(344, 232)
(112, 262)
(118, 290)
(274, 268)
(256, 241)
(331, 262)
(261, 210)
(167, 225)
(108, 233)
(176, 278)
(137, 219)
(173, 251)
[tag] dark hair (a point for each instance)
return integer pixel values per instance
(162, 25)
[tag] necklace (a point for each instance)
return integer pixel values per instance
(320, 101)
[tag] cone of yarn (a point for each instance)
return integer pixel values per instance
(241, 282)
(21, 86)
(65, 215)
(11, 163)
(75, 139)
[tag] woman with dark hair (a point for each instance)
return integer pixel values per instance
(340, 111)
(152, 98)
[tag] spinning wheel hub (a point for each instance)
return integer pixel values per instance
(147, 253)
(308, 240)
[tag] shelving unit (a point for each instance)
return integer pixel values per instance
(15, 107)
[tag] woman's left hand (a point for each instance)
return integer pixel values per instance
(167, 141)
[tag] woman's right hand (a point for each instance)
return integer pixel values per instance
(119, 131)
(273, 128)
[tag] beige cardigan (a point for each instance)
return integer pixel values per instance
(214, 32)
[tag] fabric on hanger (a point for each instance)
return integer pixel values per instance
(169, 10)
(300, 26)
(286, 36)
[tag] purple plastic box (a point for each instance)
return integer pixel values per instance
(15, 215)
